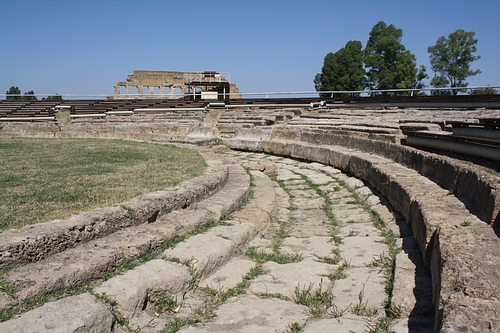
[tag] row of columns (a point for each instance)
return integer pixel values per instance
(151, 90)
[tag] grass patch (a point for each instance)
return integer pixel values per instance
(47, 179)
(280, 258)
(317, 300)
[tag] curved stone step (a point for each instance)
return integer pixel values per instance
(92, 259)
(442, 224)
(35, 242)
(132, 290)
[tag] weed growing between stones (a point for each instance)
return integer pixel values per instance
(35, 302)
(317, 300)
(112, 304)
(87, 286)
(281, 258)
(217, 297)
(273, 295)
(327, 208)
(167, 304)
(292, 328)
(7, 287)
(386, 262)
(340, 273)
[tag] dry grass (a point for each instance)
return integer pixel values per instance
(46, 179)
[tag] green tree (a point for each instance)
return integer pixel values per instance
(451, 57)
(389, 64)
(484, 91)
(342, 70)
(13, 94)
(53, 98)
(29, 96)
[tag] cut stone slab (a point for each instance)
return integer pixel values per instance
(132, 289)
(206, 252)
(252, 314)
(351, 214)
(285, 278)
(304, 201)
(359, 229)
(363, 286)
(310, 247)
(317, 177)
(229, 275)
(347, 323)
(82, 313)
(312, 222)
(88, 261)
(361, 250)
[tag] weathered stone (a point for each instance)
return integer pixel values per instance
(154, 278)
(76, 314)
(252, 314)
(362, 291)
(346, 323)
(284, 279)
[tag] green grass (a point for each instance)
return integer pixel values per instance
(317, 300)
(47, 179)
(279, 258)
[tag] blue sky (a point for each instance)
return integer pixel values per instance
(85, 47)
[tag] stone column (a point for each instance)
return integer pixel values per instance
(139, 91)
(127, 89)
(162, 91)
(117, 91)
(151, 91)
(172, 92)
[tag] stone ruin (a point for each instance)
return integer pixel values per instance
(194, 85)
(445, 211)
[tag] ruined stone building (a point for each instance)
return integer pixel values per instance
(165, 84)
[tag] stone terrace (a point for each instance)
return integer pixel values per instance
(308, 237)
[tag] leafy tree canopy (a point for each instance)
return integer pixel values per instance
(14, 94)
(484, 91)
(451, 57)
(53, 98)
(342, 70)
(389, 64)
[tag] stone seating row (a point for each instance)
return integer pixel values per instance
(435, 195)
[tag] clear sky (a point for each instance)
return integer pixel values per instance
(86, 46)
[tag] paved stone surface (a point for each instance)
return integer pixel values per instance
(317, 262)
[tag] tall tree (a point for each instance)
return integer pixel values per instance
(389, 64)
(13, 94)
(451, 57)
(342, 70)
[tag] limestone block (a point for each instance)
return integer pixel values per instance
(82, 313)
(252, 314)
(132, 289)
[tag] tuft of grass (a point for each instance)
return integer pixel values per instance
(280, 258)
(340, 273)
(466, 223)
(317, 300)
(292, 328)
(167, 304)
(47, 179)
